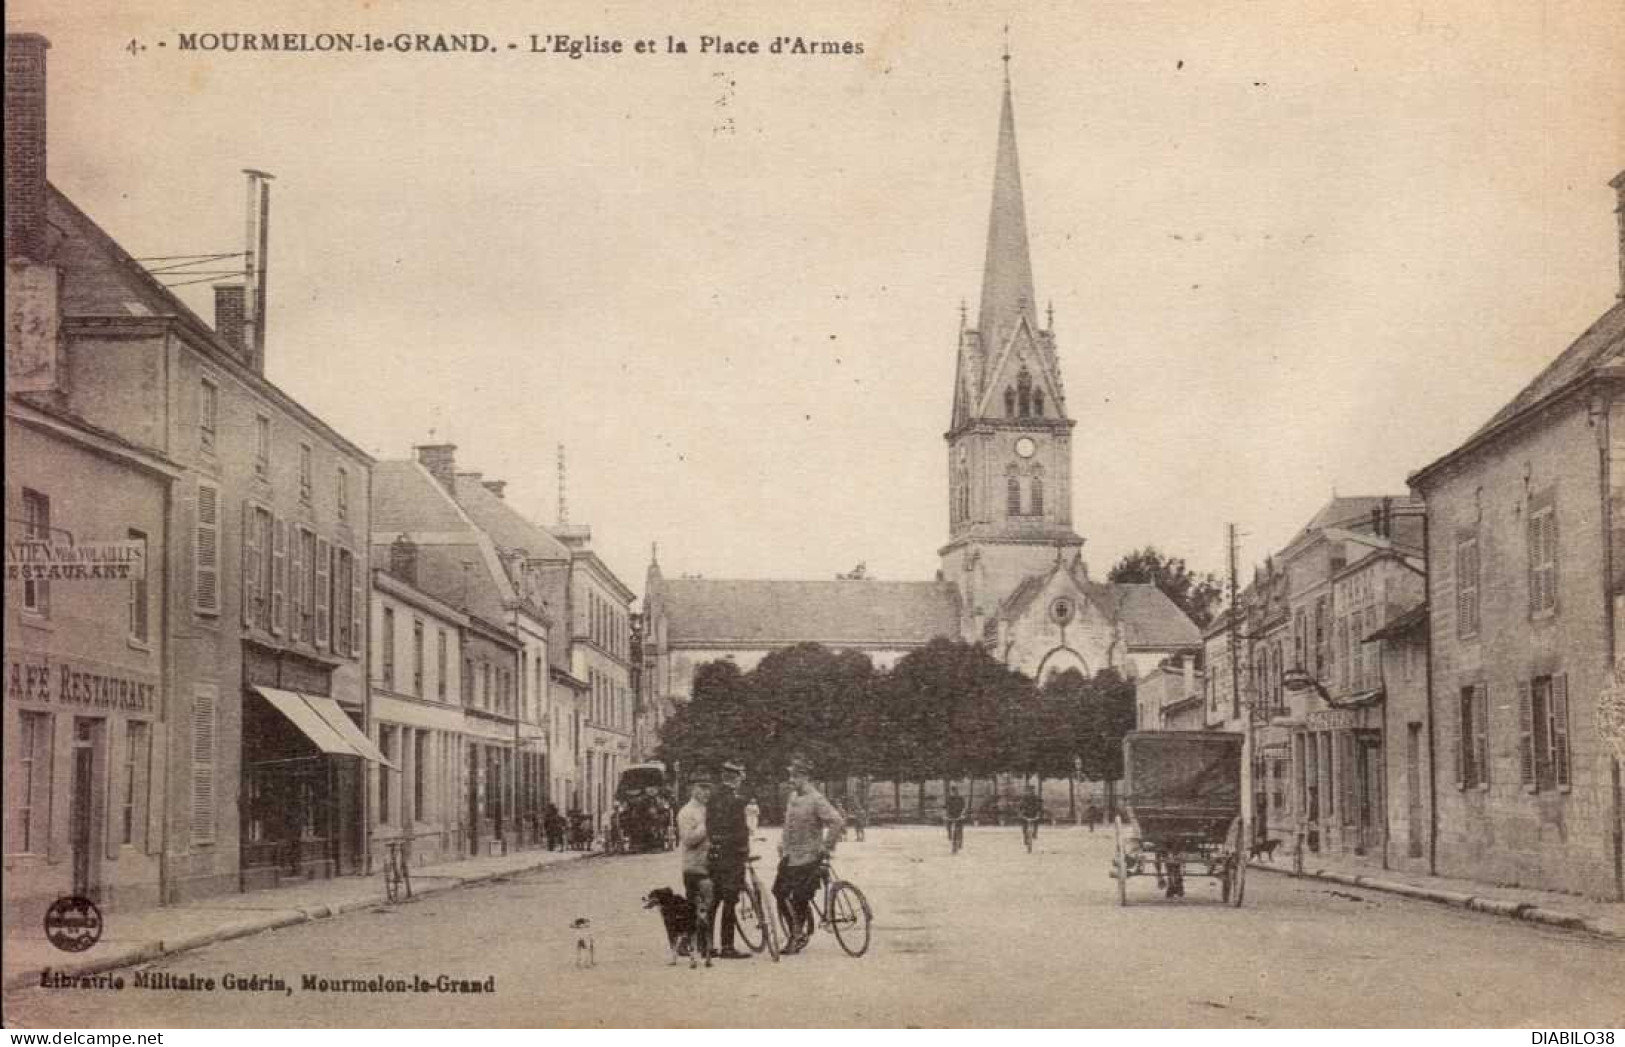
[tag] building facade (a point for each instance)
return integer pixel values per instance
(1525, 519)
(265, 587)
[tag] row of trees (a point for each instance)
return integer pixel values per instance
(948, 710)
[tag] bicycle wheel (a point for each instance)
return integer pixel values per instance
(849, 918)
(748, 921)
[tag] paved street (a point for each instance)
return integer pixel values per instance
(994, 936)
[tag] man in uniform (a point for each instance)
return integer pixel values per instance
(812, 827)
(730, 846)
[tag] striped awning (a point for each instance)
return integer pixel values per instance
(327, 726)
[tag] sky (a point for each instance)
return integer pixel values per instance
(1293, 249)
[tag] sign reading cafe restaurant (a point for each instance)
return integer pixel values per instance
(36, 561)
(34, 678)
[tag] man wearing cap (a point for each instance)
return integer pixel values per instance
(692, 845)
(730, 846)
(812, 826)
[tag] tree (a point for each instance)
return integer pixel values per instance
(1198, 595)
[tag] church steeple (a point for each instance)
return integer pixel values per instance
(1007, 273)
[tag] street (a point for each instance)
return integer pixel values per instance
(991, 937)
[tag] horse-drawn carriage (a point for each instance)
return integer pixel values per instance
(644, 808)
(1184, 804)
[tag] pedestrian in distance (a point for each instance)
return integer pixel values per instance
(954, 809)
(812, 828)
(693, 845)
(860, 819)
(725, 859)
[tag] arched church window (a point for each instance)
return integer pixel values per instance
(1038, 496)
(1013, 496)
(1038, 402)
(1024, 393)
(1009, 403)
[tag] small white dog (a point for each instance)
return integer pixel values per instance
(585, 953)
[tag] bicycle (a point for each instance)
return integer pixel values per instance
(756, 930)
(398, 868)
(839, 906)
(956, 833)
(1029, 831)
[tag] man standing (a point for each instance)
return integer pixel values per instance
(1032, 812)
(730, 846)
(812, 826)
(954, 809)
(692, 845)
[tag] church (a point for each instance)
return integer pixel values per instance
(1013, 577)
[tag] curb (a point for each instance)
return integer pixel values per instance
(153, 950)
(1529, 912)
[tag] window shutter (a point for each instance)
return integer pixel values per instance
(1526, 734)
(1481, 730)
(1551, 560)
(296, 583)
(279, 578)
(251, 562)
(1464, 739)
(358, 605)
(324, 591)
(206, 551)
(203, 765)
(1560, 730)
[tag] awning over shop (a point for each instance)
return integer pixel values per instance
(324, 723)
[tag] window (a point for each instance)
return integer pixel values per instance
(1038, 496)
(1467, 573)
(1300, 638)
(140, 631)
(134, 782)
(386, 743)
(417, 657)
(262, 446)
(387, 643)
(343, 494)
(1012, 496)
(208, 415)
(206, 551)
(1038, 402)
(304, 473)
(1543, 561)
(259, 565)
(1323, 656)
(348, 603)
(37, 528)
(440, 665)
(1024, 393)
(28, 786)
(304, 570)
(1472, 747)
(1543, 715)
(1009, 403)
(322, 577)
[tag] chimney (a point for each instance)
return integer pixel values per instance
(403, 559)
(25, 146)
(1618, 185)
(441, 461)
(496, 487)
(231, 313)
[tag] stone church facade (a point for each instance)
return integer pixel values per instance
(1013, 576)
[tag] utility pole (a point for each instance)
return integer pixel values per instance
(1237, 704)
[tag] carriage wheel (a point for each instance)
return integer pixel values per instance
(1122, 861)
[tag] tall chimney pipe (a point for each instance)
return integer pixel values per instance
(25, 146)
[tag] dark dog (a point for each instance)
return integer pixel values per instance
(1264, 849)
(682, 925)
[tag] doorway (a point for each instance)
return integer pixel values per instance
(84, 812)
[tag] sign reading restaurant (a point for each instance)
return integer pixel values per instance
(58, 681)
(35, 561)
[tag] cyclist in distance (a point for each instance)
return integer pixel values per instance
(1032, 813)
(955, 811)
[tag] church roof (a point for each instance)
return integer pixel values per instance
(834, 612)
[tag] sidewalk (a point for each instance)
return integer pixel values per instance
(144, 934)
(1606, 919)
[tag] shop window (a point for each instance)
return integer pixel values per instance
(28, 786)
(420, 773)
(134, 781)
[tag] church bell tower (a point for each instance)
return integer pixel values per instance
(1010, 437)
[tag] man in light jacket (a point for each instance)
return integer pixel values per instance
(693, 845)
(812, 826)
